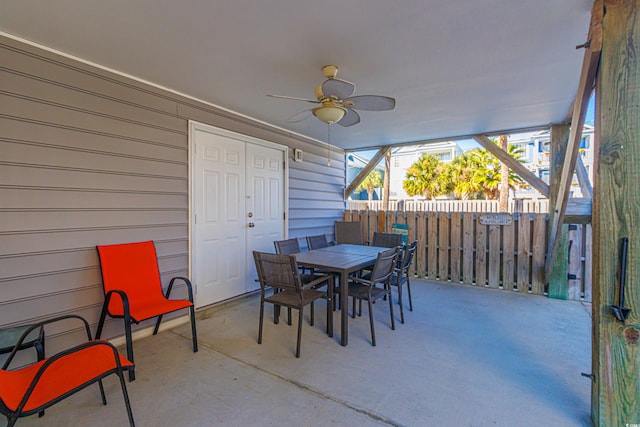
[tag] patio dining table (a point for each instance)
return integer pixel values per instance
(341, 259)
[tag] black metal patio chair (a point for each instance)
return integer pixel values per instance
(401, 274)
(363, 289)
(280, 272)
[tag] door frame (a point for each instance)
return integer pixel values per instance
(193, 127)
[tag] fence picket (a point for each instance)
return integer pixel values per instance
(481, 254)
(493, 259)
(539, 253)
(574, 287)
(456, 248)
(524, 240)
(508, 256)
(411, 236)
(443, 246)
(432, 245)
(468, 233)
(421, 251)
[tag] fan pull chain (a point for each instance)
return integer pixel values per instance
(329, 144)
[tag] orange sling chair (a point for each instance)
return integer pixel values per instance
(133, 290)
(33, 388)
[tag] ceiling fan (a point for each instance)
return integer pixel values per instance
(337, 103)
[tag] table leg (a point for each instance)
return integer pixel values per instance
(344, 308)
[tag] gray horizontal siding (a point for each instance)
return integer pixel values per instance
(90, 158)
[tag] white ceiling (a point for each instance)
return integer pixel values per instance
(455, 67)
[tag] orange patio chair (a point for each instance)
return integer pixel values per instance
(133, 290)
(33, 388)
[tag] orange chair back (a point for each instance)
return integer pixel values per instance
(132, 268)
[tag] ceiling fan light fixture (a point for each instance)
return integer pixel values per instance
(329, 114)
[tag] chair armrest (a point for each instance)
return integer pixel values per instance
(40, 324)
(186, 281)
(317, 281)
(360, 280)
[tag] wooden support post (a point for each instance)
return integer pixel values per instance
(616, 214)
(558, 280)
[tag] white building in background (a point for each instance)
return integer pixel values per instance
(537, 155)
(403, 157)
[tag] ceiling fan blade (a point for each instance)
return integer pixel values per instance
(349, 119)
(372, 102)
(341, 89)
(294, 98)
(298, 117)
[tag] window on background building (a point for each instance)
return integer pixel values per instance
(544, 175)
(584, 142)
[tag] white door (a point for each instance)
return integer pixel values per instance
(237, 192)
(265, 207)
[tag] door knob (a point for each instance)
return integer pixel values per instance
(251, 225)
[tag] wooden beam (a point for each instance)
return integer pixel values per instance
(513, 164)
(578, 211)
(387, 181)
(365, 171)
(616, 345)
(585, 88)
(583, 179)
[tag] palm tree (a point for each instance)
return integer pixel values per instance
(370, 183)
(425, 178)
(460, 172)
(488, 175)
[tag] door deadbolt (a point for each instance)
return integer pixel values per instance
(250, 214)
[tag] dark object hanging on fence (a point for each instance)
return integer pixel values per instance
(620, 311)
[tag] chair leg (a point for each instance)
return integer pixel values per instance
(400, 303)
(330, 306)
(300, 317)
(312, 314)
(155, 329)
(393, 322)
(373, 331)
(102, 395)
(103, 315)
(409, 291)
(353, 312)
(261, 318)
(127, 330)
(289, 316)
(126, 398)
(194, 334)
(40, 352)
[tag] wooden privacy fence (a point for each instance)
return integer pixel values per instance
(460, 247)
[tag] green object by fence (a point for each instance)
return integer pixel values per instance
(559, 282)
(401, 229)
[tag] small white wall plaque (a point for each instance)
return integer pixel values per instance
(496, 219)
(297, 155)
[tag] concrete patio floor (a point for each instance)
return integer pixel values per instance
(464, 357)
